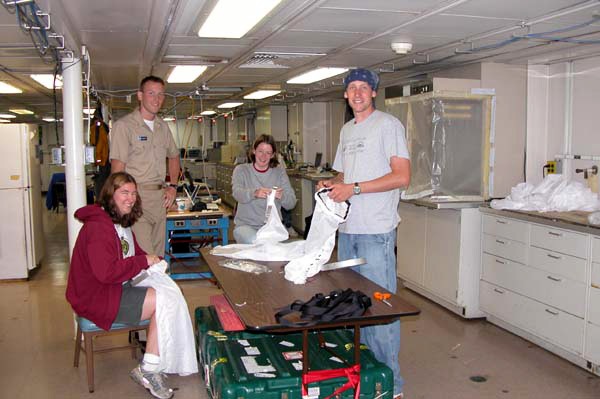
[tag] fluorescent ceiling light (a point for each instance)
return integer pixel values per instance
(232, 19)
(185, 73)
(5, 88)
(48, 119)
(8, 116)
(315, 75)
(169, 118)
(229, 105)
(4, 121)
(46, 80)
(260, 94)
(21, 111)
(207, 112)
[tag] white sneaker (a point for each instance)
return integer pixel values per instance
(292, 232)
(154, 382)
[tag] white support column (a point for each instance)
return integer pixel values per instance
(74, 147)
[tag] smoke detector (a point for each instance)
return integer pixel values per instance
(401, 47)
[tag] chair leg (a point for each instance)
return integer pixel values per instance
(78, 336)
(134, 344)
(89, 358)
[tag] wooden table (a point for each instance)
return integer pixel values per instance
(256, 299)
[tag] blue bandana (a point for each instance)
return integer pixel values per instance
(364, 75)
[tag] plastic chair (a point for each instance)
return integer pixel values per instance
(87, 330)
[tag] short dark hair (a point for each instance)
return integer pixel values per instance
(265, 138)
(150, 78)
(106, 201)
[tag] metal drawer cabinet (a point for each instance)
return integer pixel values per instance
(505, 248)
(506, 228)
(559, 240)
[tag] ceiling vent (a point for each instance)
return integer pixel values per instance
(267, 59)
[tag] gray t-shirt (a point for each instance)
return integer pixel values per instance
(364, 154)
(245, 180)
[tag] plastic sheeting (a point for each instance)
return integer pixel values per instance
(554, 194)
(449, 143)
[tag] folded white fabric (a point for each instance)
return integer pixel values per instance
(175, 331)
(306, 256)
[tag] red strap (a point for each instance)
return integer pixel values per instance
(352, 373)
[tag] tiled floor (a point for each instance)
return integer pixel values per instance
(440, 351)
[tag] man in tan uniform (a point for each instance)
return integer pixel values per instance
(140, 142)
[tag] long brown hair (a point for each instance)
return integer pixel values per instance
(265, 138)
(106, 201)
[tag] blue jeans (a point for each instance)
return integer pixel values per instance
(244, 234)
(378, 250)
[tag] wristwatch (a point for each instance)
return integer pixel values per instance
(172, 185)
(356, 189)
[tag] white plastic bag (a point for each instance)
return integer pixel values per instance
(554, 194)
(273, 230)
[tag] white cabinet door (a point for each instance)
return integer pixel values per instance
(507, 306)
(559, 327)
(442, 248)
(592, 343)
(411, 240)
(594, 302)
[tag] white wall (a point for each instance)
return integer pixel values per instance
(548, 126)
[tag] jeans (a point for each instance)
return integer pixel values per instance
(244, 234)
(378, 250)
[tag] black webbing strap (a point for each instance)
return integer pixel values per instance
(320, 308)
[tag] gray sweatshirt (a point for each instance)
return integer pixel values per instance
(245, 180)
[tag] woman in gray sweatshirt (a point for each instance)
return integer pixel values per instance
(251, 185)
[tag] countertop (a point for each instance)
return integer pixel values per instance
(444, 204)
(575, 220)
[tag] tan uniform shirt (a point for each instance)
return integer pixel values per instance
(143, 151)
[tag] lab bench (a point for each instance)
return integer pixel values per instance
(188, 229)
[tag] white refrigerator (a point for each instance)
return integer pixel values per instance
(21, 236)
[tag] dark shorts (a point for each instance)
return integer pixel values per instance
(132, 302)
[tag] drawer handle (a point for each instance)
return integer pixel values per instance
(500, 221)
(552, 233)
(501, 242)
(498, 291)
(499, 261)
(554, 256)
(551, 312)
(554, 278)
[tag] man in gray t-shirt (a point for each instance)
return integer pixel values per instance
(373, 165)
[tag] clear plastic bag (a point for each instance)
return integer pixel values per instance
(245, 266)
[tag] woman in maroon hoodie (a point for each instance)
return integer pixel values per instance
(105, 258)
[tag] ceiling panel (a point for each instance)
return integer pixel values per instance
(110, 15)
(117, 48)
(515, 9)
(312, 41)
(328, 20)
(385, 5)
(455, 27)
